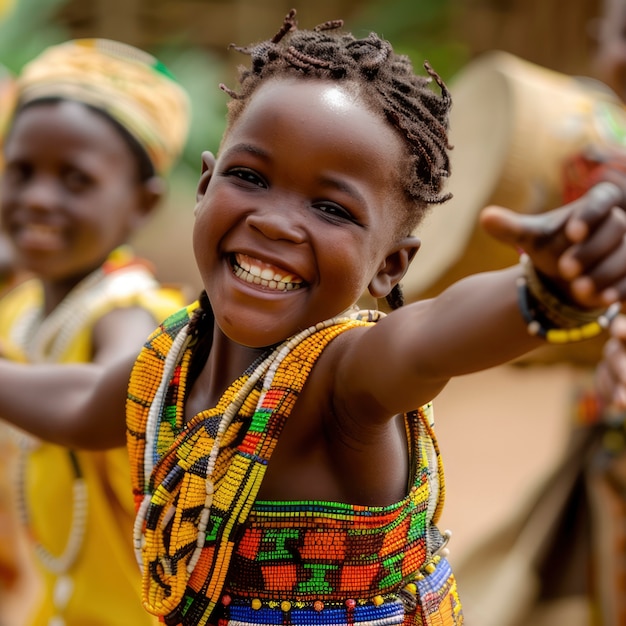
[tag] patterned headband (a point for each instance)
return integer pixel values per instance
(128, 84)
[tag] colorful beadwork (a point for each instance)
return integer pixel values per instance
(64, 336)
(556, 322)
(291, 562)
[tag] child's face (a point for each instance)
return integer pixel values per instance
(69, 193)
(304, 194)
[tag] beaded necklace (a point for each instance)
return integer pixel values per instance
(45, 339)
(196, 483)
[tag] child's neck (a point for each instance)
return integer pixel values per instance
(225, 363)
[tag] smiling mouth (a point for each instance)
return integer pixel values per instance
(38, 234)
(263, 274)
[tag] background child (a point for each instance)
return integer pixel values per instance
(96, 127)
(333, 153)
(8, 276)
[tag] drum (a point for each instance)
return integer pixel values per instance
(513, 127)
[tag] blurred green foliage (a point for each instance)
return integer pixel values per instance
(27, 29)
(421, 29)
(417, 28)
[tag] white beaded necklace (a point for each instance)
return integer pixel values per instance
(266, 369)
(44, 339)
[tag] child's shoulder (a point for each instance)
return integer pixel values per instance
(20, 298)
(176, 321)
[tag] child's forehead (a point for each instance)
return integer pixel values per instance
(313, 136)
(66, 115)
(307, 93)
(313, 110)
(311, 102)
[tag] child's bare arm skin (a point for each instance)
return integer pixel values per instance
(476, 323)
(84, 407)
(79, 405)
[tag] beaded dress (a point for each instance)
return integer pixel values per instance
(212, 554)
(76, 506)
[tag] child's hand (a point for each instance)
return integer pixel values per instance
(580, 247)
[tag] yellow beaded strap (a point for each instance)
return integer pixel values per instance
(200, 480)
(121, 278)
(555, 321)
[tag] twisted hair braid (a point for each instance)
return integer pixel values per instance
(386, 82)
(389, 85)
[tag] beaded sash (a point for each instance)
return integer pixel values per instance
(195, 486)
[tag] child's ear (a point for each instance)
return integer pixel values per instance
(394, 267)
(208, 167)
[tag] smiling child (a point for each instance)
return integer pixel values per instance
(284, 464)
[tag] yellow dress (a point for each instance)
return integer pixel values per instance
(77, 506)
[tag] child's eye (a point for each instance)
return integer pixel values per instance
(247, 176)
(76, 180)
(17, 173)
(334, 210)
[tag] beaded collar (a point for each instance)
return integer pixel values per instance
(45, 339)
(195, 485)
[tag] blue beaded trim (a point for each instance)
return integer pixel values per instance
(388, 613)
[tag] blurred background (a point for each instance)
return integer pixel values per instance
(500, 432)
(192, 37)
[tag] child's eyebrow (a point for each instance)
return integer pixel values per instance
(247, 148)
(343, 186)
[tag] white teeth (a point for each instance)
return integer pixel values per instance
(248, 275)
(264, 276)
(267, 274)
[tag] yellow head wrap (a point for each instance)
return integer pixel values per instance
(128, 84)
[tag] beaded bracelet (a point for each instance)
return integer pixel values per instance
(549, 318)
(555, 310)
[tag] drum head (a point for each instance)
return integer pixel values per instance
(512, 125)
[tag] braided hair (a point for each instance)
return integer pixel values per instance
(389, 85)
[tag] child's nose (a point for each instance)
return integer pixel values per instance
(40, 193)
(285, 222)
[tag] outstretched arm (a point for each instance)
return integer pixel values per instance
(579, 251)
(79, 405)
